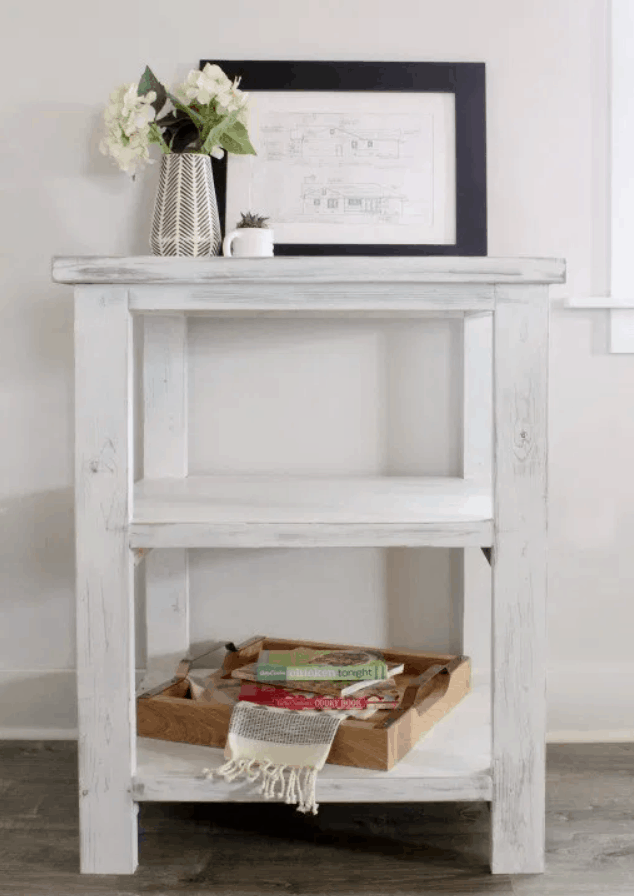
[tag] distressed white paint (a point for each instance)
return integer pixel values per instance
(140, 555)
(165, 396)
(451, 762)
(476, 466)
(299, 499)
(452, 534)
(519, 578)
(267, 511)
(478, 399)
(165, 454)
(277, 296)
(167, 607)
(306, 269)
(233, 310)
(323, 284)
(104, 564)
(274, 511)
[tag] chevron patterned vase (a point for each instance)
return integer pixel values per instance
(185, 218)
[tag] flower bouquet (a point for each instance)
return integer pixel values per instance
(205, 116)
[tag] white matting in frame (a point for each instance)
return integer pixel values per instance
(350, 167)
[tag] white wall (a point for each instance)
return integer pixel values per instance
(546, 121)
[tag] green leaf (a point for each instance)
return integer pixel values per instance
(155, 136)
(195, 117)
(148, 82)
(213, 137)
(231, 145)
(212, 121)
(236, 140)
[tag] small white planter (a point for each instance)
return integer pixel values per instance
(185, 220)
(249, 242)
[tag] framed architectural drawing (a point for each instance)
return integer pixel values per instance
(362, 158)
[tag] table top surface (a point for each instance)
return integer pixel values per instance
(306, 269)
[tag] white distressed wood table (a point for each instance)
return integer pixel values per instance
(500, 504)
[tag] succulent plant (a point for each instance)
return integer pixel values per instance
(248, 219)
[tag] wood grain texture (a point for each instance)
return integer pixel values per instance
(105, 567)
(306, 312)
(310, 499)
(519, 578)
(451, 762)
(376, 743)
(361, 297)
(203, 513)
(165, 396)
(477, 458)
(274, 511)
(325, 269)
(478, 398)
(310, 535)
(165, 454)
(378, 849)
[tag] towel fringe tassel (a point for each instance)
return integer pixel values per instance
(287, 779)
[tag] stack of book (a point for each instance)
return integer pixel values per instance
(359, 682)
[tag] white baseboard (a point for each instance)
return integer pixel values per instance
(599, 736)
(38, 734)
(586, 704)
(38, 705)
(590, 703)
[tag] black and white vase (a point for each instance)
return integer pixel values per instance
(185, 220)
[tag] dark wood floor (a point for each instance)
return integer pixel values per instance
(374, 850)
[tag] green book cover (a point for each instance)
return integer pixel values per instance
(303, 663)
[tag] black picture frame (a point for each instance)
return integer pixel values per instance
(466, 80)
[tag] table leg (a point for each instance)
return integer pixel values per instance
(519, 578)
(105, 569)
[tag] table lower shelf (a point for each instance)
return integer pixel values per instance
(452, 762)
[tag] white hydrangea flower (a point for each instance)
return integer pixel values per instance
(130, 119)
(204, 86)
(137, 110)
(127, 121)
(232, 99)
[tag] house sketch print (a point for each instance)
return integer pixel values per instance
(367, 201)
(361, 169)
(343, 143)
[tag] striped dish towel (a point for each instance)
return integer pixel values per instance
(282, 749)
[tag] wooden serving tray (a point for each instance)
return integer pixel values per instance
(431, 683)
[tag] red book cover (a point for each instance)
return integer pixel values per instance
(270, 695)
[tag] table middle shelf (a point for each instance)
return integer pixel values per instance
(326, 511)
